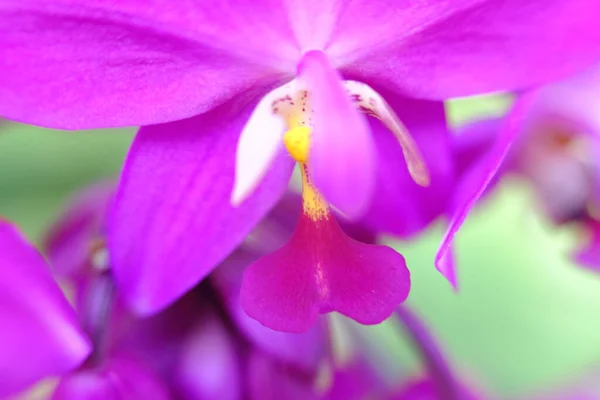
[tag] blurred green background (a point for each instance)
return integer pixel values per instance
(525, 316)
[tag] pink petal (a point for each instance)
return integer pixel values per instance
(40, 336)
(322, 270)
(400, 206)
(173, 222)
(455, 48)
(69, 240)
(306, 350)
(74, 64)
(342, 155)
(119, 379)
(474, 184)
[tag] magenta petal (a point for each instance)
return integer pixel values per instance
(70, 239)
(40, 336)
(342, 155)
(474, 183)
(455, 48)
(76, 64)
(321, 270)
(400, 206)
(357, 380)
(120, 379)
(306, 350)
(173, 222)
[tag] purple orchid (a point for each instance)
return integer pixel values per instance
(203, 346)
(220, 86)
(556, 152)
(41, 337)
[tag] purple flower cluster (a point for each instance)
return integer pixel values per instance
(200, 274)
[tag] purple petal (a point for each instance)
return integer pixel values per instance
(342, 153)
(273, 231)
(572, 101)
(37, 320)
(173, 222)
(443, 380)
(477, 180)
(564, 111)
(269, 380)
(421, 389)
(306, 350)
(472, 142)
(208, 366)
(321, 270)
(120, 379)
(69, 240)
(156, 341)
(357, 381)
(589, 255)
(400, 206)
(425, 389)
(73, 64)
(455, 48)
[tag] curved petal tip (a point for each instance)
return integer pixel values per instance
(40, 332)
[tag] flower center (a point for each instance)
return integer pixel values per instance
(297, 142)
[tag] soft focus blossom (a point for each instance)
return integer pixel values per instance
(361, 376)
(556, 152)
(203, 346)
(40, 334)
(205, 77)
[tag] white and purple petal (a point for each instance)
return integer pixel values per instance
(173, 222)
(342, 155)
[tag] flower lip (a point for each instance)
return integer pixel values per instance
(320, 270)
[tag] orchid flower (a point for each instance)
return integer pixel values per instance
(216, 86)
(556, 152)
(203, 346)
(41, 336)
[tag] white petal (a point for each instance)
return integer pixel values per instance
(259, 144)
(371, 102)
